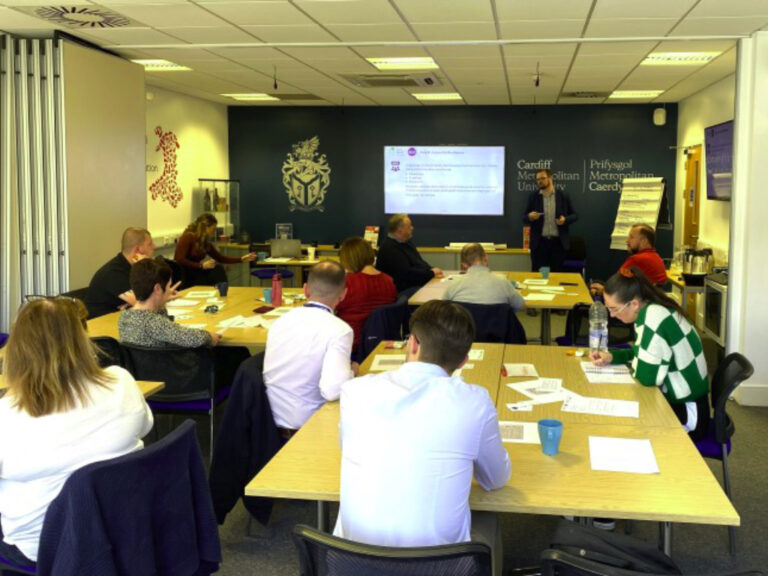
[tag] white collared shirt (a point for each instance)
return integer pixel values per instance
(411, 440)
(307, 358)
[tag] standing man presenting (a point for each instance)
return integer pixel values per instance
(549, 214)
(399, 258)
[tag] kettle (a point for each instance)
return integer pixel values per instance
(688, 260)
(702, 262)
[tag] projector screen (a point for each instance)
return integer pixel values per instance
(448, 180)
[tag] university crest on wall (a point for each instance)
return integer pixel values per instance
(306, 176)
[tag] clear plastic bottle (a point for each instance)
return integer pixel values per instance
(598, 327)
(277, 290)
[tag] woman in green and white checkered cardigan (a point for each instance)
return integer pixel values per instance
(667, 350)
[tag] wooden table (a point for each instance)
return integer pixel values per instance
(554, 362)
(239, 300)
(299, 264)
(485, 372)
(308, 466)
(574, 292)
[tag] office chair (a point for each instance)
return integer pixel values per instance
(559, 563)
(732, 371)
(189, 375)
(384, 323)
(321, 554)
(110, 353)
(496, 323)
(576, 256)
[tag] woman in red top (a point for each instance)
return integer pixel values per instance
(367, 288)
(199, 257)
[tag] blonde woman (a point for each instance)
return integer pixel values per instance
(199, 257)
(61, 412)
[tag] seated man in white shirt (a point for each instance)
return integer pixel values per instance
(411, 440)
(479, 285)
(308, 351)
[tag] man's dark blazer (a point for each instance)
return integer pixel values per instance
(562, 208)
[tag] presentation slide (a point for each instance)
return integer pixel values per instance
(449, 180)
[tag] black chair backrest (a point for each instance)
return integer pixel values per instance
(321, 554)
(147, 512)
(384, 323)
(177, 271)
(111, 352)
(731, 372)
(496, 323)
(188, 373)
(79, 293)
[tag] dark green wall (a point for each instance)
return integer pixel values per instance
(352, 139)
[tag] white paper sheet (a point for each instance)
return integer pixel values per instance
(216, 301)
(538, 388)
(234, 322)
(622, 455)
(558, 396)
(519, 432)
(178, 317)
(546, 288)
(201, 294)
(519, 370)
(524, 406)
(385, 362)
(539, 297)
(199, 326)
(601, 406)
(277, 260)
(536, 281)
(181, 302)
(610, 374)
(476, 354)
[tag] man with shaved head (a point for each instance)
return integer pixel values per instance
(110, 288)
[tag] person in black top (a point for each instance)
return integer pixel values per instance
(110, 288)
(549, 213)
(399, 258)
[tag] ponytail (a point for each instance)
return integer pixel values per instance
(630, 283)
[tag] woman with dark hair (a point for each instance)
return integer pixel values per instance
(198, 256)
(62, 411)
(667, 351)
(367, 287)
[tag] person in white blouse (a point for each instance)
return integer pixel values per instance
(308, 351)
(412, 439)
(62, 411)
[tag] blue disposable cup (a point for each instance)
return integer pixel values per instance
(262, 256)
(223, 288)
(268, 295)
(544, 272)
(550, 432)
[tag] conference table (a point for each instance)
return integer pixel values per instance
(561, 291)
(239, 301)
(684, 490)
(300, 265)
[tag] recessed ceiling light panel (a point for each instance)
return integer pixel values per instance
(425, 63)
(635, 94)
(161, 66)
(436, 96)
(252, 97)
(679, 58)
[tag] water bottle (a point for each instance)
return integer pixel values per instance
(277, 290)
(598, 327)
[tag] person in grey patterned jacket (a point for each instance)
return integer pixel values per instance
(147, 323)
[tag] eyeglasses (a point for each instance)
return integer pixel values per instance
(82, 311)
(613, 311)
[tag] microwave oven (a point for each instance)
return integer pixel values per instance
(715, 306)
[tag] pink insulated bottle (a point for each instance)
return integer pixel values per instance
(277, 289)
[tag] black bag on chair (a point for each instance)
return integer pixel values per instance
(612, 549)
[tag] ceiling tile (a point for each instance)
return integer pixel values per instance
(209, 35)
(131, 36)
(250, 53)
(456, 31)
(394, 32)
(446, 11)
(509, 10)
(188, 56)
(629, 27)
(695, 45)
(656, 8)
(13, 21)
(258, 13)
(577, 84)
(466, 51)
(720, 26)
(305, 54)
(543, 29)
(391, 51)
(691, 85)
(718, 8)
(616, 48)
(284, 33)
(487, 99)
(363, 12)
(157, 15)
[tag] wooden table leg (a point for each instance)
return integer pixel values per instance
(546, 326)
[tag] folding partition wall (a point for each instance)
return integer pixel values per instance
(33, 238)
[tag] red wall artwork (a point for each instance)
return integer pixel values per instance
(166, 186)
